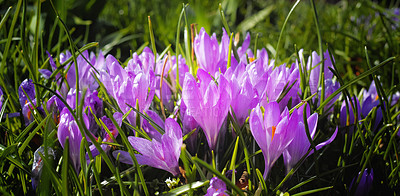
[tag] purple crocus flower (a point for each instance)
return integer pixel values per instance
(188, 125)
(343, 114)
(106, 137)
(145, 60)
(93, 101)
(259, 71)
(330, 87)
(279, 77)
(207, 103)
(170, 71)
(188, 122)
(206, 50)
(27, 110)
(273, 131)
(28, 101)
(129, 86)
(244, 49)
(149, 128)
(212, 57)
(299, 146)
(217, 188)
(47, 73)
(244, 95)
(314, 66)
(37, 165)
(371, 100)
(69, 128)
(163, 154)
(29, 88)
(365, 185)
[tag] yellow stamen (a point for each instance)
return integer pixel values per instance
(251, 59)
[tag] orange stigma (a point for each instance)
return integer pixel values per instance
(376, 97)
(251, 59)
(273, 132)
(29, 115)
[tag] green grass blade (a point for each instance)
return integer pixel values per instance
(186, 188)
(153, 42)
(6, 15)
(64, 170)
(262, 181)
(312, 191)
(283, 28)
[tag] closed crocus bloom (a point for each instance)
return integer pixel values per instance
(188, 125)
(163, 154)
(207, 103)
(279, 77)
(145, 60)
(343, 113)
(26, 93)
(272, 131)
(365, 185)
(299, 146)
(330, 87)
(316, 67)
(244, 95)
(206, 49)
(259, 74)
(243, 50)
(129, 86)
(95, 104)
(371, 100)
(169, 71)
(25, 90)
(69, 128)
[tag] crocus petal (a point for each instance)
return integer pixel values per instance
(272, 114)
(142, 145)
(319, 146)
(124, 157)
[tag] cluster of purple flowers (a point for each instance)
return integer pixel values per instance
(253, 89)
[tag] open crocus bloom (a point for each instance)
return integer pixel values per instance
(272, 131)
(217, 187)
(163, 154)
(299, 146)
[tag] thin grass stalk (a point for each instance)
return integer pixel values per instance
(321, 82)
(283, 28)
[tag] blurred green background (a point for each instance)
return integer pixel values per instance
(121, 27)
